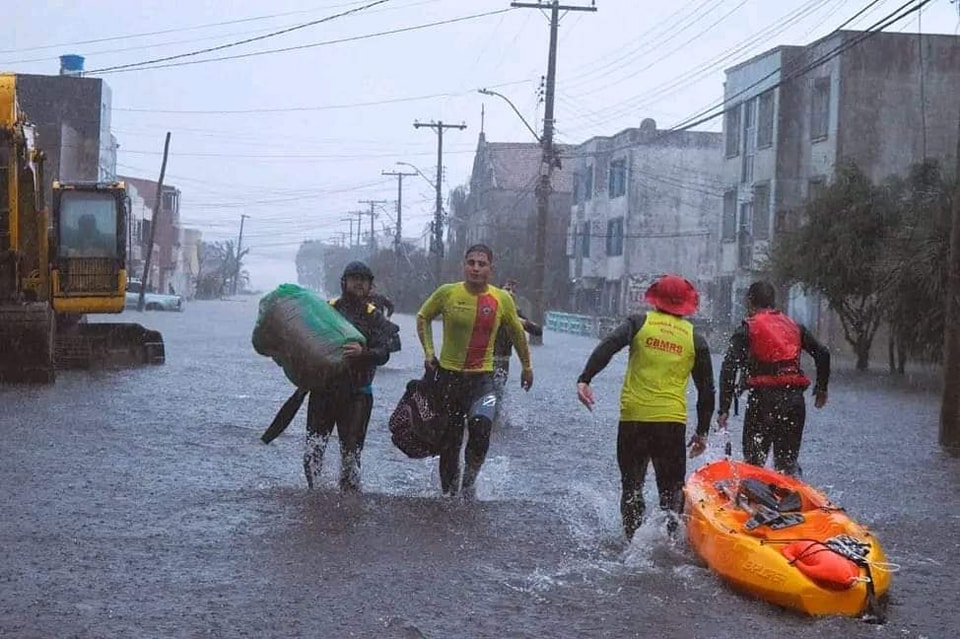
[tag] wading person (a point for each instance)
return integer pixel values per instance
(347, 401)
(766, 348)
(665, 350)
(472, 312)
(503, 349)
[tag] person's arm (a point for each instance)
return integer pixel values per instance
(388, 305)
(430, 309)
(703, 379)
(514, 328)
(610, 346)
(734, 359)
(821, 358)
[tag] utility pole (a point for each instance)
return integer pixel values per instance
(398, 238)
(157, 201)
(349, 219)
(950, 404)
(372, 214)
(236, 275)
(549, 161)
(437, 245)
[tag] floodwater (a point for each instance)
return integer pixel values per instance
(141, 503)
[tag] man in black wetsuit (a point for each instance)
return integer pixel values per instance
(503, 350)
(347, 401)
(766, 348)
(665, 351)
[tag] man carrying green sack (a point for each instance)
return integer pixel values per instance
(343, 397)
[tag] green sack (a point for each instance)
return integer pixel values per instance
(303, 334)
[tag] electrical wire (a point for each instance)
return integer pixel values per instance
(237, 43)
(125, 68)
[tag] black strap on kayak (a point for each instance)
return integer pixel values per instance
(284, 416)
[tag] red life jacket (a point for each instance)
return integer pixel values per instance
(775, 348)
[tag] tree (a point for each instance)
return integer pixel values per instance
(838, 251)
(310, 262)
(915, 264)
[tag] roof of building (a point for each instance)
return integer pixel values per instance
(146, 188)
(516, 165)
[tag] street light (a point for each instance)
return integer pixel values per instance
(420, 173)
(515, 110)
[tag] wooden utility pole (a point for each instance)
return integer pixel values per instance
(373, 215)
(436, 246)
(236, 274)
(153, 224)
(950, 404)
(548, 162)
(398, 238)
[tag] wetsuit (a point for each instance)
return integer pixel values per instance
(346, 402)
(766, 348)
(502, 350)
(465, 370)
(665, 351)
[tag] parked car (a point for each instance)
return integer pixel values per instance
(151, 301)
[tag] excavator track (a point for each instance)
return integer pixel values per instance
(27, 343)
(96, 345)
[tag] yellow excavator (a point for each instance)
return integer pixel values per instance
(55, 270)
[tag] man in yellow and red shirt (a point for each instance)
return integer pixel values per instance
(472, 312)
(665, 352)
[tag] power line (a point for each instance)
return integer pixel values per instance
(367, 36)
(887, 21)
(166, 31)
(237, 43)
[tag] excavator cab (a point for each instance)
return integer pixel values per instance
(88, 265)
(88, 276)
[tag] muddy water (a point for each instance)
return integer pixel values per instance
(142, 504)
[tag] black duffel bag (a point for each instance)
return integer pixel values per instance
(417, 423)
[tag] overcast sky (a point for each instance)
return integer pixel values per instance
(294, 139)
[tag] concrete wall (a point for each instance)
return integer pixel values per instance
(67, 113)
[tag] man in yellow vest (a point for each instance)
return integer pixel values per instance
(665, 350)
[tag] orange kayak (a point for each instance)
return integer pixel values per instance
(783, 541)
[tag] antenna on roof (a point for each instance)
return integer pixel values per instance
(483, 116)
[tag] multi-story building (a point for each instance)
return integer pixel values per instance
(72, 119)
(166, 257)
(645, 202)
(501, 210)
(885, 102)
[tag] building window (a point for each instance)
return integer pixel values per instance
(588, 184)
(577, 191)
(729, 231)
(617, 183)
(585, 240)
(744, 239)
(749, 137)
(615, 237)
(765, 120)
(820, 109)
(761, 211)
(732, 128)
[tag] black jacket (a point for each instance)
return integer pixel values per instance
(367, 319)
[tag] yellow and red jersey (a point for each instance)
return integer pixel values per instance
(470, 325)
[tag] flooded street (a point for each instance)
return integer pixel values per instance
(143, 504)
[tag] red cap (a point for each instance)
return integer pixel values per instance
(673, 294)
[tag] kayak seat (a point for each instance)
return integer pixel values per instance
(774, 497)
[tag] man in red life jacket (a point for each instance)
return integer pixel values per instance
(767, 348)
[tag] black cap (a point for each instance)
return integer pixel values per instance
(357, 268)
